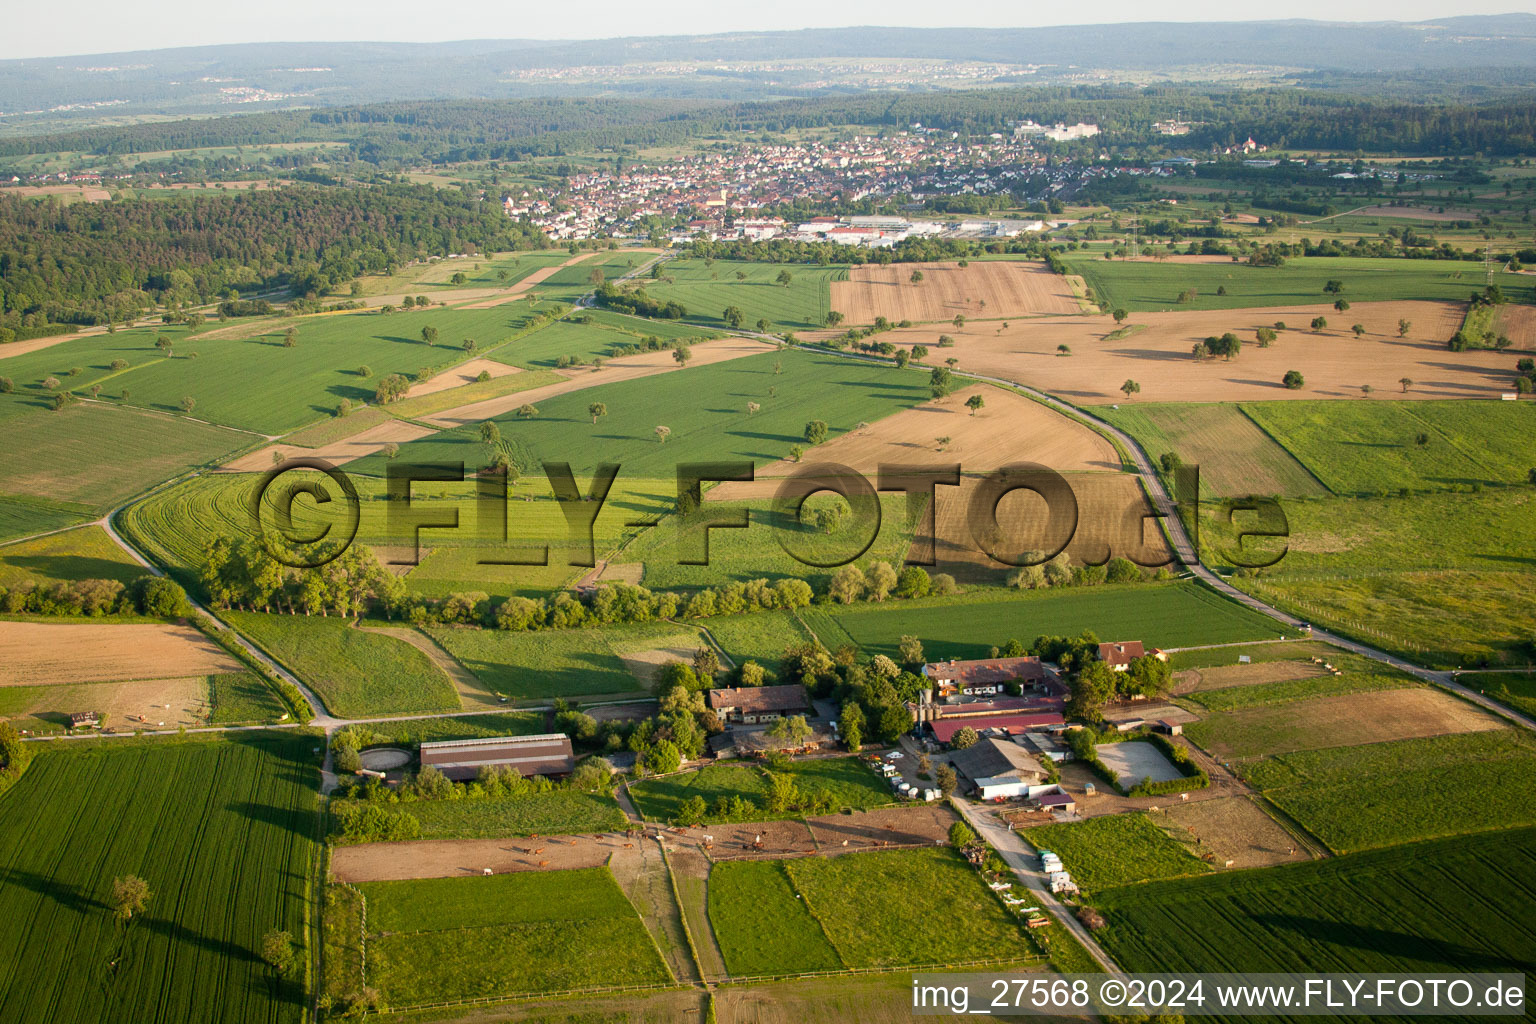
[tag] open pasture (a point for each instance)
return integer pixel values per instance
(993, 288)
(1236, 457)
(1147, 285)
(1116, 849)
(1373, 447)
(196, 820)
(1514, 690)
(1333, 361)
(44, 653)
(355, 672)
(1372, 716)
(762, 924)
(533, 933)
(1443, 906)
(706, 288)
(21, 517)
(761, 636)
(94, 455)
(850, 782)
(1160, 614)
(45, 708)
(1381, 794)
(84, 553)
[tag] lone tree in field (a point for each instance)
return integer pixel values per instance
(596, 277)
(958, 321)
(1359, 330)
(1130, 388)
(1266, 336)
(527, 411)
(1403, 327)
(974, 403)
(188, 403)
(364, 372)
(290, 337)
(1531, 476)
(130, 895)
(1293, 380)
(429, 335)
(917, 277)
(752, 408)
(1406, 382)
(763, 326)
(277, 951)
(815, 432)
(940, 382)
(1422, 440)
(597, 409)
(733, 316)
(391, 450)
(1319, 322)
(1366, 389)
(1342, 305)
(469, 344)
(7, 385)
(784, 278)
(1063, 349)
(682, 354)
(834, 318)
(662, 433)
(1333, 287)
(490, 433)
(1120, 316)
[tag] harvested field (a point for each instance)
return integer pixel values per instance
(1233, 828)
(67, 193)
(1194, 679)
(1346, 720)
(1001, 288)
(1519, 323)
(644, 665)
(337, 452)
(626, 368)
(178, 701)
(452, 858)
(458, 376)
(1334, 362)
(922, 825)
(43, 654)
(1411, 213)
(1236, 456)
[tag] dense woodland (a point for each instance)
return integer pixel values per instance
(90, 263)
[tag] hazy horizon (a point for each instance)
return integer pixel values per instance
(97, 27)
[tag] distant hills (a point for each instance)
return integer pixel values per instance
(267, 76)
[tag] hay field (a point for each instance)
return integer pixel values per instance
(1519, 323)
(1348, 720)
(337, 452)
(36, 653)
(991, 289)
(1236, 457)
(1334, 362)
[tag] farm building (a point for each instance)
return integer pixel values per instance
(1119, 656)
(985, 677)
(750, 705)
(1058, 801)
(460, 760)
(84, 720)
(998, 768)
(944, 729)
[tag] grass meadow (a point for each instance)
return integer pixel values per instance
(1116, 849)
(849, 781)
(1453, 905)
(559, 663)
(240, 698)
(706, 288)
(198, 820)
(22, 517)
(762, 925)
(760, 637)
(591, 334)
(524, 933)
(1235, 457)
(1178, 614)
(84, 553)
(1515, 691)
(355, 672)
(552, 813)
(1403, 791)
(1147, 285)
(1364, 677)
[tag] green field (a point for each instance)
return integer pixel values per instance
(1161, 615)
(86, 553)
(468, 394)
(238, 698)
(596, 338)
(1454, 905)
(558, 662)
(300, 384)
(707, 289)
(1235, 457)
(1145, 285)
(223, 832)
(1115, 849)
(1216, 657)
(97, 455)
(706, 407)
(638, 328)
(762, 926)
(1516, 691)
(1358, 679)
(757, 552)
(850, 782)
(536, 933)
(355, 672)
(570, 283)
(1363, 448)
(760, 636)
(560, 811)
(21, 517)
(1381, 794)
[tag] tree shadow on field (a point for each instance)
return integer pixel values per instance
(70, 897)
(268, 814)
(74, 567)
(1400, 946)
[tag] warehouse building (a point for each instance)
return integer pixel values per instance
(461, 760)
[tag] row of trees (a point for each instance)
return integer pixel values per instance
(154, 596)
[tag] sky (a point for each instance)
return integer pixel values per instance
(111, 26)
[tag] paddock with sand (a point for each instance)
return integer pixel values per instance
(37, 654)
(1155, 352)
(451, 858)
(947, 290)
(135, 704)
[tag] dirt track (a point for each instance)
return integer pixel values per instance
(337, 452)
(993, 288)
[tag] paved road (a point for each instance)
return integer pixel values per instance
(1023, 862)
